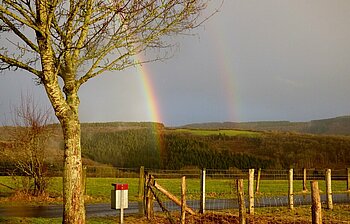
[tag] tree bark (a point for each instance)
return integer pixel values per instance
(66, 110)
(73, 198)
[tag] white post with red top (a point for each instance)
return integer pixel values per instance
(119, 198)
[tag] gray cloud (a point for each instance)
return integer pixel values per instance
(255, 60)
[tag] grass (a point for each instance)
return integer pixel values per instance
(24, 220)
(339, 214)
(228, 132)
(98, 190)
(9, 183)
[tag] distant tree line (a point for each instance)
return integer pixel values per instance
(126, 148)
(170, 150)
(146, 144)
(146, 147)
(191, 150)
(291, 150)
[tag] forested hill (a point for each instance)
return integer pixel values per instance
(332, 126)
(134, 144)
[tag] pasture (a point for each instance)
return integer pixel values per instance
(218, 189)
(98, 189)
(227, 132)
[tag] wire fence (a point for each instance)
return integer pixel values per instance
(271, 195)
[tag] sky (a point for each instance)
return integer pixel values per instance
(252, 61)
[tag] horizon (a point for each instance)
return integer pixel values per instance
(204, 122)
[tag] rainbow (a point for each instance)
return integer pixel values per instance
(152, 101)
(226, 71)
(150, 95)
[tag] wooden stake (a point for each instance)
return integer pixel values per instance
(149, 199)
(329, 189)
(142, 191)
(141, 182)
(316, 203)
(183, 200)
(202, 202)
(251, 191)
(241, 203)
(257, 187)
(145, 193)
(290, 190)
(348, 179)
(304, 180)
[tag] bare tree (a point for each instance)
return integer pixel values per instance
(29, 135)
(76, 40)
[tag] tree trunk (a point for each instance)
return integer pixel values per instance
(73, 192)
(66, 110)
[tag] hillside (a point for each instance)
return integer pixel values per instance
(54, 152)
(331, 126)
(150, 144)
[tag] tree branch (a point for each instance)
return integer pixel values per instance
(84, 30)
(17, 18)
(15, 63)
(19, 33)
(25, 13)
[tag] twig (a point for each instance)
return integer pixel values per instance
(7, 186)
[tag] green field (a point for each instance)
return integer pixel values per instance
(228, 132)
(98, 189)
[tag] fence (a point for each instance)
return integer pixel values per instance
(289, 189)
(270, 190)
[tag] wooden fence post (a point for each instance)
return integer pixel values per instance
(290, 190)
(241, 203)
(348, 179)
(257, 187)
(304, 180)
(316, 203)
(202, 202)
(183, 200)
(329, 189)
(149, 199)
(251, 191)
(141, 182)
(145, 193)
(141, 203)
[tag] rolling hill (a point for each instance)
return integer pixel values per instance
(331, 126)
(272, 144)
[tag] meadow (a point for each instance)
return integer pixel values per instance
(227, 132)
(98, 190)
(217, 188)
